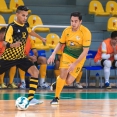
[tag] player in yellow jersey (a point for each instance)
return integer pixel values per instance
(15, 39)
(77, 39)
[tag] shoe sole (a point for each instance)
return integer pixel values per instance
(54, 103)
(40, 102)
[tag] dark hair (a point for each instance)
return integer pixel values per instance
(76, 14)
(22, 8)
(114, 34)
(3, 29)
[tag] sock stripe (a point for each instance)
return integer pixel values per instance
(34, 78)
(35, 83)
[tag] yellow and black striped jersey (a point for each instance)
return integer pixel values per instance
(16, 32)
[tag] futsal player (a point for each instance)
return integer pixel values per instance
(77, 39)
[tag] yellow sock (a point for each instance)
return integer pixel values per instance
(32, 87)
(12, 72)
(22, 74)
(59, 86)
(57, 73)
(2, 78)
(42, 72)
(79, 77)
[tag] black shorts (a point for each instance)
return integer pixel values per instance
(23, 64)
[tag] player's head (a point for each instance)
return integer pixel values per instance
(2, 33)
(76, 20)
(114, 37)
(22, 14)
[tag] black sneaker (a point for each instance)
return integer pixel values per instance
(53, 86)
(55, 101)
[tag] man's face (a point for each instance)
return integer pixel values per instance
(22, 17)
(75, 23)
(2, 36)
(114, 41)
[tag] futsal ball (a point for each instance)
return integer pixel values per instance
(22, 103)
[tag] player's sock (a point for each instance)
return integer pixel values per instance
(22, 75)
(12, 74)
(57, 73)
(32, 87)
(42, 72)
(79, 77)
(2, 78)
(59, 86)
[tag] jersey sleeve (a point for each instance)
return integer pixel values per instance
(63, 38)
(8, 34)
(27, 46)
(103, 47)
(87, 38)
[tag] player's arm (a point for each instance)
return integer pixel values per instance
(8, 43)
(32, 33)
(104, 52)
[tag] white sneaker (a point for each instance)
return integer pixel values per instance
(77, 85)
(44, 85)
(23, 85)
(35, 102)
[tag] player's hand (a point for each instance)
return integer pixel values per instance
(44, 40)
(33, 58)
(71, 67)
(51, 59)
(17, 44)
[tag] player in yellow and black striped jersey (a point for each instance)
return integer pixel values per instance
(15, 40)
(77, 40)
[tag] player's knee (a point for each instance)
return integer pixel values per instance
(68, 82)
(107, 63)
(43, 60)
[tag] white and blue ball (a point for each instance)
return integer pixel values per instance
(22, 103)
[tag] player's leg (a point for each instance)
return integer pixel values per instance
(22, 77)
(57, 64)
(2, 84)
(106, 66)
(29, 67)
(77, 82)
(42, 71)
(60, 82)
(75, 73)
(12, 73)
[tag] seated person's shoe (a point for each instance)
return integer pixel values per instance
(44, 85)
(78, 85)
(53, 86)
(3, 86)
(22, 85)
(107, 85)
(12, 86)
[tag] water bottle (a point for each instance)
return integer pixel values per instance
(97, 80)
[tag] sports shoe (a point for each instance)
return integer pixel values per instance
(44, 85)
(107, 85)
(22, 85)
(12, 86)
(78, 85)
(53, 86)
(55, 101)
(3, 86)
(35, 102)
